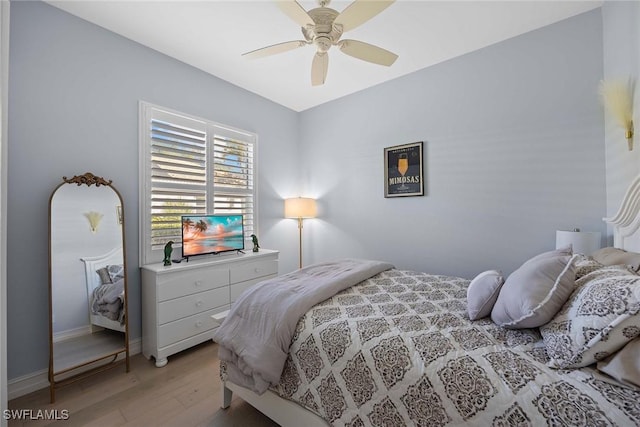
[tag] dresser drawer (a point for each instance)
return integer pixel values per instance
(173, 332)
(189, 305)
(241, 273)
(185, 283)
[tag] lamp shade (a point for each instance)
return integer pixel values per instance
(300, 207)
(583, 242)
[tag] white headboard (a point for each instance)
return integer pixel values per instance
(626, 221)
(91, 264)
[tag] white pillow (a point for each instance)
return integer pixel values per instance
(535, 292)
(482, 293)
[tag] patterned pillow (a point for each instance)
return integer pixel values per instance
(585, 265)
(482, 293)
(600, 317)
(116, 272)
(602, 272)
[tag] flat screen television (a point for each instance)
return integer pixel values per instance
(211, 234)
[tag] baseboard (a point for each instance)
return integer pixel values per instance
(27, 384)
(35, 381)
(71, 333)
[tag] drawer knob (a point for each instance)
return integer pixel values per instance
(199, 303)
(198, 323)
(257, 270)
(198, 283)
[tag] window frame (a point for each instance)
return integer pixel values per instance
(149, 111)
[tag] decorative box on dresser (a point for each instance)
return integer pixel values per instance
(180, 302)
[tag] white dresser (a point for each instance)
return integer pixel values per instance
(178, 301)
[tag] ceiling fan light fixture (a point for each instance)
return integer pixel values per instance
(323, 44)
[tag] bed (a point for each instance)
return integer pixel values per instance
(105, 290)
(399, 348)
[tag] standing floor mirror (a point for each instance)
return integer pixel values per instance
(88, 327)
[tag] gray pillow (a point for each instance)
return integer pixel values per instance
(615, 256)
(567, 251)
(535, 292)
(103, 273)
(482, 293)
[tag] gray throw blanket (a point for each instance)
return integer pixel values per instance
(255, 337)
(108, 300)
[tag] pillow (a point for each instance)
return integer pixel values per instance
(613, 256)
(482, 293)
(585, 265)
(624, 365)
(600, 317)
(552, 254)
(602, 272)
(103, 273)
(116, 272)
(534, 293)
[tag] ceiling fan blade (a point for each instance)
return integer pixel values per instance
(293, 10)
(368, 52)
(359, 12)
(319, 68)
(274, 49)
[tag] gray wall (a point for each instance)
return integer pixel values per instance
(621, 44)
(73, 107)
(513, 138)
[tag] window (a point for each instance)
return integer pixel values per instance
(190, 166)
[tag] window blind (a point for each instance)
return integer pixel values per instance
(233, 179)
(193, 167)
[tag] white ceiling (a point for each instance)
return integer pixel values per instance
(212, 35)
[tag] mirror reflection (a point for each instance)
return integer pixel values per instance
(88, 304)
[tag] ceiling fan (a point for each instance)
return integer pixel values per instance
(323, 28)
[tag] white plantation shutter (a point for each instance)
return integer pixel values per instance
(233, 174)
(178, 178)
(190, 166)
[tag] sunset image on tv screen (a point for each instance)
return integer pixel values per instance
(203, 234)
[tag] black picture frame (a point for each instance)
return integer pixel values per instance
(411, 183)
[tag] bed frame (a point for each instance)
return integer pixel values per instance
(282, 411)
(626, 221)
(625, 224)
(91, 264)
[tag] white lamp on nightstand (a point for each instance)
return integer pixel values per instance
(583, 242)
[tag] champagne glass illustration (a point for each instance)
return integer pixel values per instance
(403, 167)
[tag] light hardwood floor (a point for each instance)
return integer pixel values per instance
(186, 392)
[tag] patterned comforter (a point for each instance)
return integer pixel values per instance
(399, 349)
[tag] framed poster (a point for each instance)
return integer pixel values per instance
(403, 170)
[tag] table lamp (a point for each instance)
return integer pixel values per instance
(583, 242)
